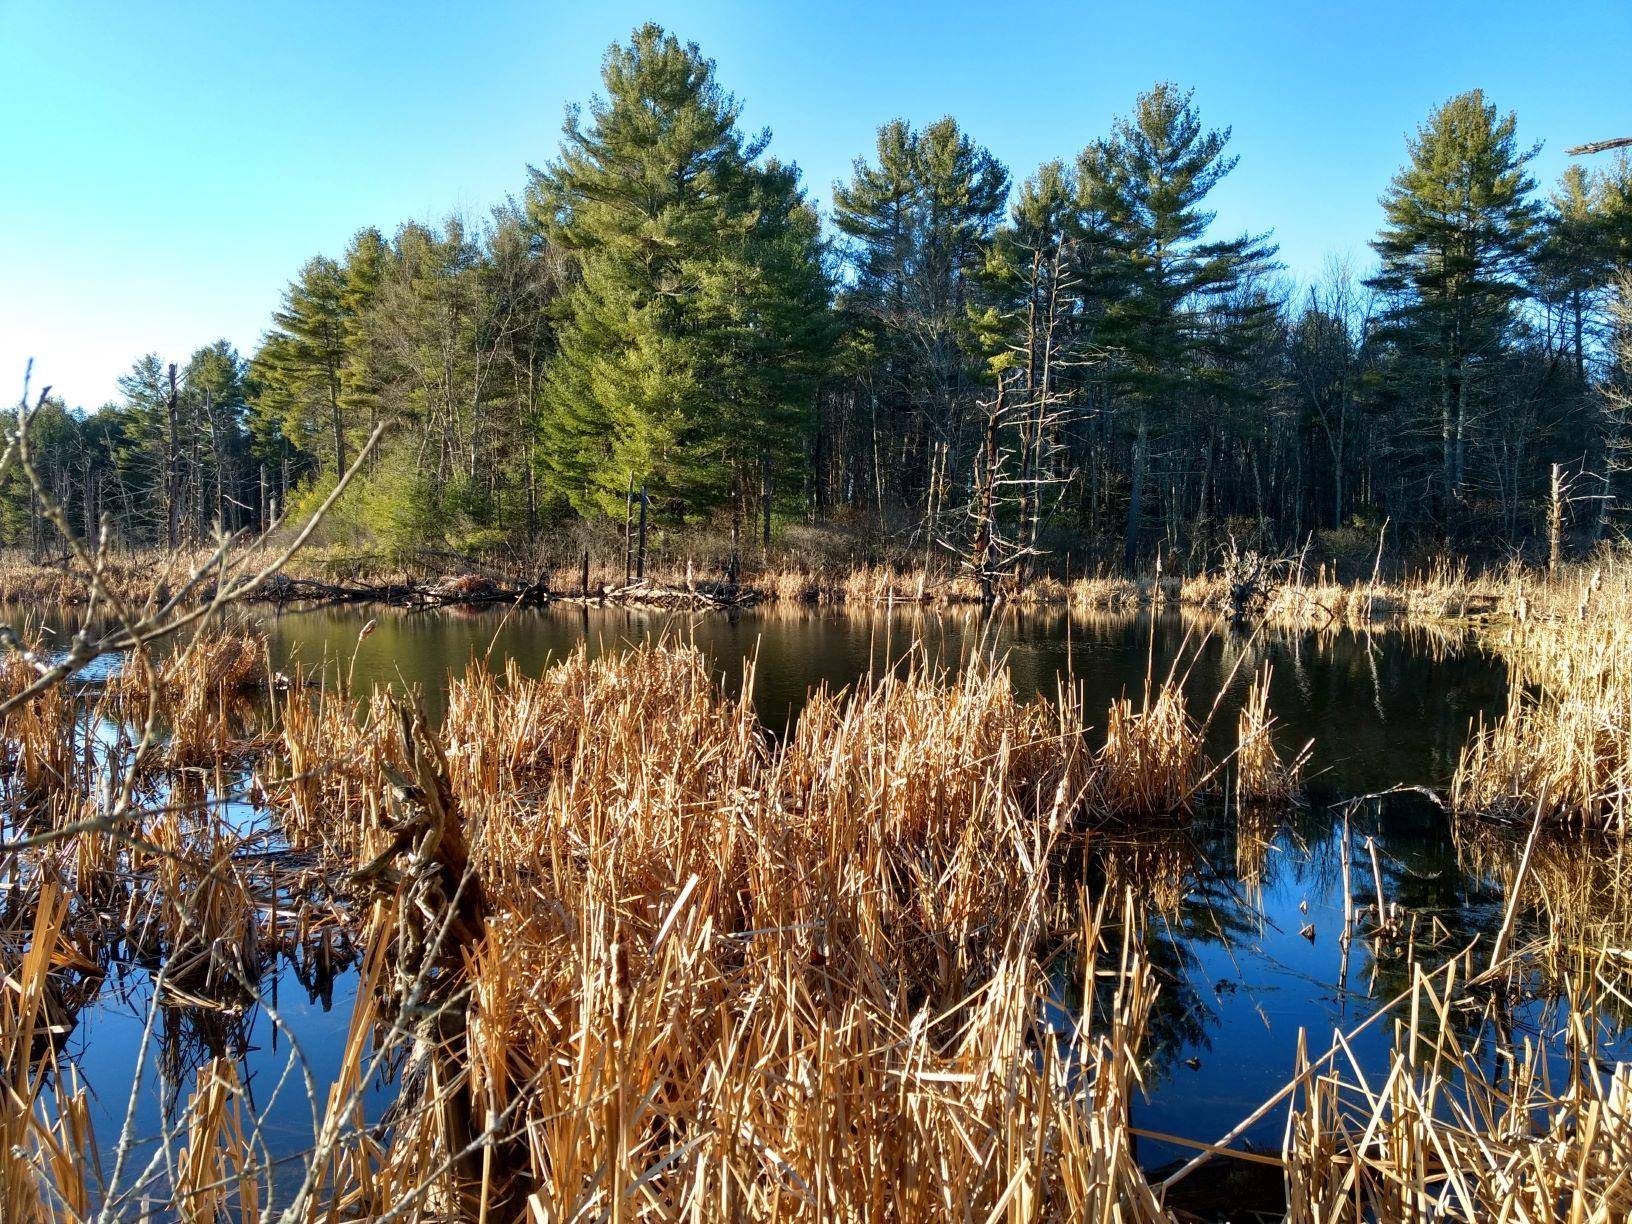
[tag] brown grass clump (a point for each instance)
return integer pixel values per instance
(196, 691)
(630, 957)
(36, 738)
(1439, 1136)
(329, 778)
(737, 981)
(215, 660)
(592, 715)
(1564, 747)
(1113, 594)
(134, 580)
(1261, 776)
(1041, 589)
(40, 742)
(25, 583)
(1152, 761)
(1318, 600)
(880, 584)
(795, 585)
(912, 789)
(216, 1169)
(1568, 756)
(48, 1173)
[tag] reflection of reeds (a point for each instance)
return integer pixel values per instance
(118, 851)
(1151, 861)
(1462, 1128)
(1575, 899)
(1256, 827)
(189, 897)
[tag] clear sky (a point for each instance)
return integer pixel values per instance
(166, 167)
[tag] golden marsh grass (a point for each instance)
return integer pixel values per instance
(628, 956)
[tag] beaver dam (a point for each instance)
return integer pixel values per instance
(576, 913)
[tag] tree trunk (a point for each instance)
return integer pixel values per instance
(640, 556)
(1136, 496)
(1555, 521)
(628, 531)
(986, 528)
(765, 503)
(172, 468)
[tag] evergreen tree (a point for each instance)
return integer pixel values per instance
(770, 337)
(212, 411)
(141, 450)
(300, 363)
(661, 306)
(918, 225)
(51, 434)
(657, 197)
(1158, 274)
(362, 371)
(1455, 250)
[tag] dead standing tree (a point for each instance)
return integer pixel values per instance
(1562, 496)
(1019, 456)
(1003, 494)
(1250, 581)
(1041, 413)
(983, 507)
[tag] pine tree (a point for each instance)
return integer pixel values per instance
(879, 211)
(769, 338)
(1157, 274)
(918, 225)
(1460, 230)
(301, 360)
(658, 198)
(1612, 205)
(213, 409)
(140, 450)
(362, 372)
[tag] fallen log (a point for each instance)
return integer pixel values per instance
(470, 590)
(698, 595)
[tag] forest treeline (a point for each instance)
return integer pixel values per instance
(951, 363)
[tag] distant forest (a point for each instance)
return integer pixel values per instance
(948, 365)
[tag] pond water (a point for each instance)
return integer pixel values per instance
(1248, 957)
(1383, 708)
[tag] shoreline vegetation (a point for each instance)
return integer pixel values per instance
(621, 952)
(1314, 598)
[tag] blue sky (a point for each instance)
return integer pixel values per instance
(166, 167)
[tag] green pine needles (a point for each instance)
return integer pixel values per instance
(690, 340)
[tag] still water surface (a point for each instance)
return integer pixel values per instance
(1249, 957)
